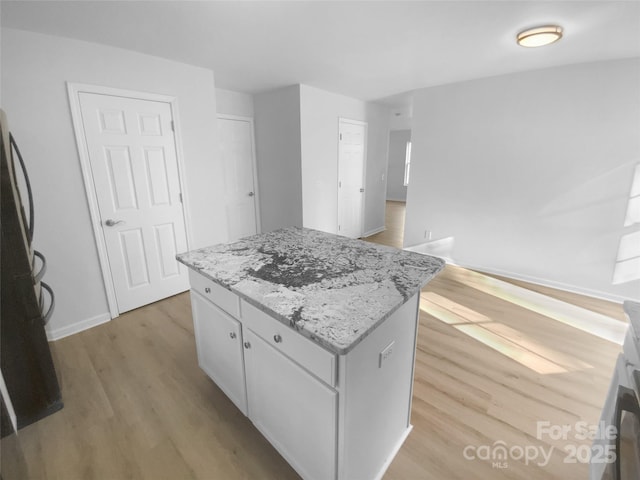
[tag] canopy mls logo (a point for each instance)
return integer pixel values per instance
(499, 454)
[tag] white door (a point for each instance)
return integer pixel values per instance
(351, 158)
(236, 145)
(295, 411)
(133, 161)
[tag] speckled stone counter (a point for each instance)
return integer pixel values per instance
(329, 288)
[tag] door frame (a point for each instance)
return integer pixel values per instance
(254, 164)
(74, 90)
(364, 171)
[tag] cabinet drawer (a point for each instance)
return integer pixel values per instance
(313, 357)
(223, 298)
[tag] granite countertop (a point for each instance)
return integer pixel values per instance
(331, 289)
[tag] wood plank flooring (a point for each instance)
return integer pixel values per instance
(488, 369)
(138, 407)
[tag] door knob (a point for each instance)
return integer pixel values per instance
(111, 223)
(251, 194)
(247, 345)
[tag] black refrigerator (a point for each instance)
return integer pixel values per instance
(26, 301)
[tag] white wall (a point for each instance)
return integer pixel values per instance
(230, 102)
(401, 118)
(277, 132)
(530, 174)
(35, 68)
(396, 190)
(319, 114)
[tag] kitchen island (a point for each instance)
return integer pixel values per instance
(313, 337)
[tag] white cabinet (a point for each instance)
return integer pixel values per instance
(330, 416)
(292, 409)
(219, 347)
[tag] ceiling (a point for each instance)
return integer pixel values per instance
(373, 50)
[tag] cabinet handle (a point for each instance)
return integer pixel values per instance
(38, 276)
(232, 334)
(247, 345)
(47, 316)
(625, 401)
(277, 338)
(207, 290)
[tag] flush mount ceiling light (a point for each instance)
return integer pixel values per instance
(539, 36)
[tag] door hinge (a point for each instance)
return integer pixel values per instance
(339, 184)
(338, 227)
(340, 136)
(173, 127)
(180, 197)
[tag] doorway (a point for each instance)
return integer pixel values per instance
(238, 154)
(351, 169)
(128, 150)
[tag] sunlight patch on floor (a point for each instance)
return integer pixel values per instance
(500, 337)
(590, 322)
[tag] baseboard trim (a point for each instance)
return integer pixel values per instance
(610, 297)
(401, 200)
(58, 333)
(393, 453)
(546, 283)
(373, 232)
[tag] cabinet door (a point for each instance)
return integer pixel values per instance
(219, 346)
(293, 410)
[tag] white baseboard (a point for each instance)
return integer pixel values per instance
(373, 232)
(429, 248)
(393, 453)
(58, 333)
(547, 283)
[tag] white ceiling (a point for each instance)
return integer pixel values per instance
(373, 50)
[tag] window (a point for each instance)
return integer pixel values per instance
(407, 163)
(627, 267)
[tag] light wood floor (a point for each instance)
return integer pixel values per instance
(487, 369)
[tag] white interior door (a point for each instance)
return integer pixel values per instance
(236, 145)
(351, 158)
(132, 154)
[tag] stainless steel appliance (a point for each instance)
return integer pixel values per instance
(26, 362)
(615, 452)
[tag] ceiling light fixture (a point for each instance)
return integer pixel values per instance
(539, 36)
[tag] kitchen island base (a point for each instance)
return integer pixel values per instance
(313, 337)
(330, 416)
